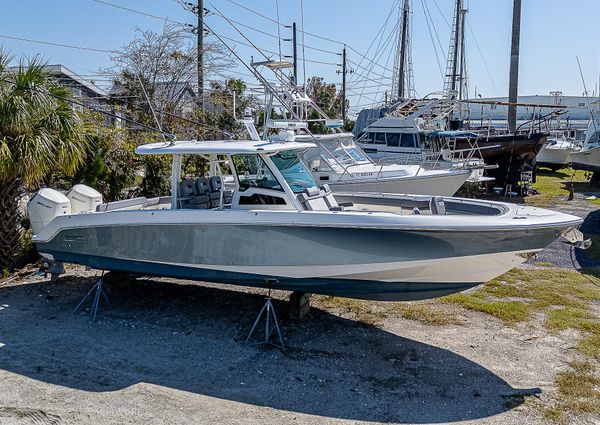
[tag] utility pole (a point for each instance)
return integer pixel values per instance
(200, 63)
(344, 84)
(295, 54)
(403, 49)
(513, 85)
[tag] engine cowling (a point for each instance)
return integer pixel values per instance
(45, 205)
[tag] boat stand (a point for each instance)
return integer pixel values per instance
(271, 324)
(99, 293)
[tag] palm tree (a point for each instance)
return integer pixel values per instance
(39, 133)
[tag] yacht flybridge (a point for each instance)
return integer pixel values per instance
(278, 228)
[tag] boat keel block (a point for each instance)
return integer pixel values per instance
(299, 305)
(99, 292)
(271, 324)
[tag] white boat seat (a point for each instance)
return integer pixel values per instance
(313, 200)
(327, 194)
(437, 206)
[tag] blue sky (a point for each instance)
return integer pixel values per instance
(554, 33)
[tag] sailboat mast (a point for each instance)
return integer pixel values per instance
(457, 16)
(513, 85)
(403, 50)
(462, 72)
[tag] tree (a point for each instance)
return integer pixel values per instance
(110, 164)
(327, 97)
(39, 132)
(159, 69)
(218, 118)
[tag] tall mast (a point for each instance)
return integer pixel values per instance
(402, 68)
(454, 63)
(462, 66)
(513, 85)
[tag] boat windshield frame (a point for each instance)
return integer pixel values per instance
(294, 171)
(343, 151)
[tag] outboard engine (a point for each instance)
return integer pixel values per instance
(45, 206)
(83, 198)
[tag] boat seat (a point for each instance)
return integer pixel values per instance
(202, 187)
(312, 199)
(216, 187)
(437, 206)
(189, 198)
(330, 200)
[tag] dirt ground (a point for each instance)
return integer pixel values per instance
(173, 352)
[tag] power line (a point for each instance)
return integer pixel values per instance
(341, 43)
(69, 46)
(140, 12)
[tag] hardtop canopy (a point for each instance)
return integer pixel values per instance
(221, 147)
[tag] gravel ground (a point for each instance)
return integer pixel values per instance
(173, 352)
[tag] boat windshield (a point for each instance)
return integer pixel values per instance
(252, 171)
(343, 151)
(294, 171)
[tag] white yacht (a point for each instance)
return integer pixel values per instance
(556, 152)
(400, 140)
(339, 162)
(278, 228)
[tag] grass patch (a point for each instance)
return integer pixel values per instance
(374, 313)
(544, 264)
(516, 295)
(565, 297)
(363, 311)
(510, 312)
(430, 315)
(579, 393)
(554, 186)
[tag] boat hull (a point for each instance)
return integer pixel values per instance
(427, 183)
(380, 264)
(588, 159)
(554, 156)
(513, 153)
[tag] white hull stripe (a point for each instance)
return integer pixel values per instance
(473, 268)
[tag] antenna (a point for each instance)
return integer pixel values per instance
(585, 90)
(151, 107)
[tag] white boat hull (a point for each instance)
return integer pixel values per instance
(554, 156)
(588, 159)
(427, 183)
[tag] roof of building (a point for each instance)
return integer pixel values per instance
(63, 70)
(221, 147)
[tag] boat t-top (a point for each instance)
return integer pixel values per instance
(259, 218)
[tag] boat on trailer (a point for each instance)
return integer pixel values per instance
(278, 229)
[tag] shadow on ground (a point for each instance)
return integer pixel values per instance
(190, 337)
